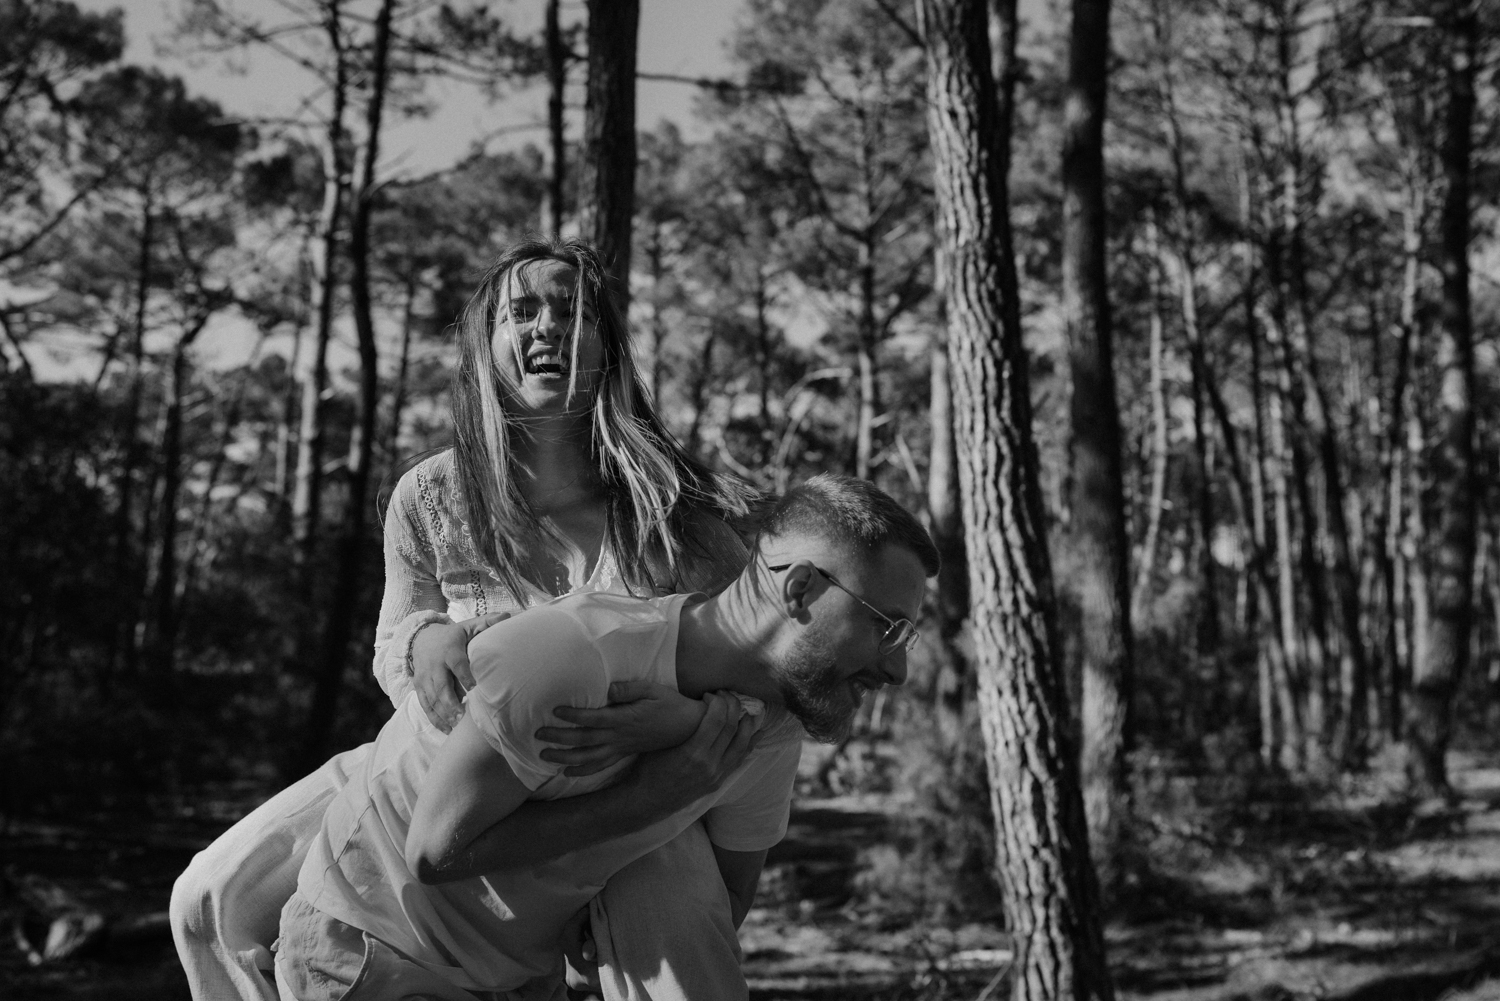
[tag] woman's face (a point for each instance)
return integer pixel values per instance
(535, 330)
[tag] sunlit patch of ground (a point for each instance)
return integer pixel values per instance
(1344, 897)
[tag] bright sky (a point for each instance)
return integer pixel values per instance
(684, 37)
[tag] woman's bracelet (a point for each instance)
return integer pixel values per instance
(415, 623)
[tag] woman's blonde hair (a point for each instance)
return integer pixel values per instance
(653, 486)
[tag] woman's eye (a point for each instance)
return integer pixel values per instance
(523, 311)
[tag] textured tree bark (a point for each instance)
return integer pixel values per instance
(1051, 896)
(1450, 569)
(338, 627)
(606, 188)
(308, 488)
(1098, 494)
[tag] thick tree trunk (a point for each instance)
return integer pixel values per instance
(338, 627)
(1051, 897)
(607, 181)
(1098, 496)
(1454, 483)
(308, 489)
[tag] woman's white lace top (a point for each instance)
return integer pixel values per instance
(433, 570)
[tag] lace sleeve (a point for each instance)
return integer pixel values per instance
(413, 594)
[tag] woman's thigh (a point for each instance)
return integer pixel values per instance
(234, 889)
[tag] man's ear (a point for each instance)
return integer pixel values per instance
(798, 589)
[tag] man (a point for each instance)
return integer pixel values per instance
(426, 879)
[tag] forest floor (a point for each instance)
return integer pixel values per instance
(1337, 897)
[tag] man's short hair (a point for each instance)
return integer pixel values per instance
(852, 512)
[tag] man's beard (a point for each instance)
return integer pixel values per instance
(809, 683)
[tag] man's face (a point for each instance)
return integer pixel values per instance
(836, 659)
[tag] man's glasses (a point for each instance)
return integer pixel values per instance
(900, 634)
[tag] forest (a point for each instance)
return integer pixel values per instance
(1172, 319)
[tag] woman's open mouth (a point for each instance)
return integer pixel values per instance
(546, 365)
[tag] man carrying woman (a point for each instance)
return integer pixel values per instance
(562, 479)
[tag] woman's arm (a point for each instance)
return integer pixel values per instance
(417, 646)
(413, 599)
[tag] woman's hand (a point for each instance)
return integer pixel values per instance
(675, 778)
(440, 667)
(582, 955)
(642, 716)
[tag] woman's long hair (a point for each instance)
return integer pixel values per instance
(651, 484)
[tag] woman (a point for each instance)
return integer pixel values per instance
(562, 477)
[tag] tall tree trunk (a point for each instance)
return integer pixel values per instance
(403, 366)
(1414, 546)
(945, 521)
(1049, 886)
(1454, 482)
(1278, 464)
(130, 572)
(698, 391)
(656, 258)
(308, 491)
(197, 544)
(1186, 261)
(338, 627)
(607, 181)
(1272, 656)
(864, 439)
(1156, 492)
(1098, 495)
(557, 82)
(763, 362)
(1393, 561)
(162, 629)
